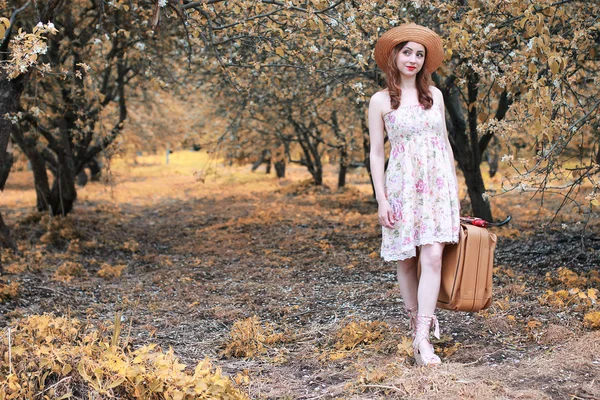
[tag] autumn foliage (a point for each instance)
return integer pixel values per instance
(277, 281)
(61, 357)
(263, 292)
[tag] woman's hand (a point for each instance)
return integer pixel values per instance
(386, 215)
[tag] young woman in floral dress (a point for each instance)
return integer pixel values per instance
(418, 193)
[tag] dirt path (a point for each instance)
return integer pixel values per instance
(307, 267)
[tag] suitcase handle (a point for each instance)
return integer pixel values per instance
(482, 222)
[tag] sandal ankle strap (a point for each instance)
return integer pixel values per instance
(412, 318)
(426, 321)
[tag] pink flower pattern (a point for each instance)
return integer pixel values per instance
(420, 183)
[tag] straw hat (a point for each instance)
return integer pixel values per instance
(410, 33)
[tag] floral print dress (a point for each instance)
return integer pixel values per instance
(420, 183)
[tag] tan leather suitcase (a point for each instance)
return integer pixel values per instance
(467, 271)
(467, 266)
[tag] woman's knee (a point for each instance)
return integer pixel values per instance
(431, 257)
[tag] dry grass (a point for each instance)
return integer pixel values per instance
(190, 263)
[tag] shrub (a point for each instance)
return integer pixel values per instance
(359, 332)
(57, 356)
(249, 338)
(69, 270)
(8, 291)
(108, 271)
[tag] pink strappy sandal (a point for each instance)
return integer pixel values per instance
(424, 324)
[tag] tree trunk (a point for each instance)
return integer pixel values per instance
(367, 153)
(265, 158)
(280, 168)
(95, 170)
(343, 168)
(63, 193)
(465, 144)
(492, 160)
(318, 175)
(82, 178)
(40, 179)
(5, 165)
(5, 239)
(10, 94)
(476, 189)
(38, 167)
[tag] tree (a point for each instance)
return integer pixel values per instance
(100, 52)
(18, 53)
(509, 65)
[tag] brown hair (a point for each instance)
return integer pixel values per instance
(423, 81)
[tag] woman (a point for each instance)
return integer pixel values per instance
(418, 193)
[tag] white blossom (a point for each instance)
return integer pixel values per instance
(84, 66)
(35, 111)
(40, 48)
(314, 49)
(162, 3)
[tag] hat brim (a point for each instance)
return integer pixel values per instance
(410, 33)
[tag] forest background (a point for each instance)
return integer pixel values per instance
(153, 114)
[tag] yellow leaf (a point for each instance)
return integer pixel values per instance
(595, 202)
(532, 68)
(592, 293)
(66, 369)
(115, 383)
(405, 347)
(279, 51)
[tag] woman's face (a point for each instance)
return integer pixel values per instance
(410, 59)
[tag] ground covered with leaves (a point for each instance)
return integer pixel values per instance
(160, 284)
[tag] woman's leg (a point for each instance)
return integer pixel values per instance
(431, 275)
(429, 288)
(408, 282)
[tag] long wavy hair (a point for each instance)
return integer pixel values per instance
(423, 81)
